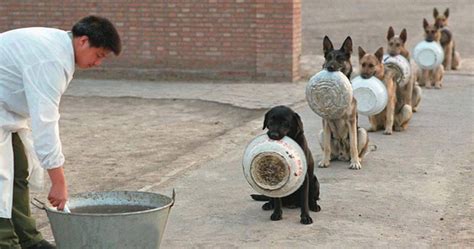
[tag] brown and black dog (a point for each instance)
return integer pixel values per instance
(395, 115)
(411, 93)
(430, 77)
(282, 121)
(452, 59)
(341, 138)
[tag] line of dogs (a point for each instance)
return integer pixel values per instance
(342, 139)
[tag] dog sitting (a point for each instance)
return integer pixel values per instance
(411, 93)
(282, 121)
(341, 138)
(430, 77)
(452, 59)
(395, 115)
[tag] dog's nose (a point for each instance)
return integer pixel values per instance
(274, 135)
(429, 39)
(331, 69)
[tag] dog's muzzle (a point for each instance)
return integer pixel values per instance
(275, 135)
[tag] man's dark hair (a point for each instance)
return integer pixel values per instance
(101, 33)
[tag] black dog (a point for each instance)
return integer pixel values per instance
(282, 121)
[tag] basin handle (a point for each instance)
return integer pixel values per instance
(173, 197)
(39, 204)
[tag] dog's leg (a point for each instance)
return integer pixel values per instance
(373, 124)
(390, 112)
(415, 98)
(456, 59)
(277, 212)
(438, 77)
(355, 161)
(314, 194)
(326, 145)
(362, 142)
(268, 205)
(304, 217)
(402, 118)
(448, 56)
(419, 76)
(425, 78)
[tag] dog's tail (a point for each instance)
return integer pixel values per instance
(372, 147)
(260, 197)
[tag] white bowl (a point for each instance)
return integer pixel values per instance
(371, 95)
(275, 168)
(400, 65)
(428, 55)
(329, 94)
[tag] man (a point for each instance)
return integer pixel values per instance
(36, 66)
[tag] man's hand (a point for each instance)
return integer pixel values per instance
(58, 194)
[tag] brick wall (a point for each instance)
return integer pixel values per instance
(218, 39)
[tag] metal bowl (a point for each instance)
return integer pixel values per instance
(400, 65)
(275, 168)
(371, 95)
(329, 94)
(428, 55)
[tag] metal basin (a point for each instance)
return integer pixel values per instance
(111, 220)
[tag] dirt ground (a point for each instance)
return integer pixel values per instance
(415, 191)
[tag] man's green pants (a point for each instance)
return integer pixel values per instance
(21, 228)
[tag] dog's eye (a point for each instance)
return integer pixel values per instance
(364, 65)
(340, 57)
(371, 65)
(391, 44)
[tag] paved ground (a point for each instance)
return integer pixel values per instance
(415, 191)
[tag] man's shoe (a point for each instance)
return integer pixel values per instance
(42, 245)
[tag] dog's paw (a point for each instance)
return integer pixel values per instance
(267, 206)
(427, 86)
(277, 215)
(323, 164)
(387, 132)
(398, 128)
(306, 219)
(437, 87)
(315, 207)
(355, 165)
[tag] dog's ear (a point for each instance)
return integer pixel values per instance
(425, 23)
(403, 35)
(327, 45)
(435, 13)
(361, 52)
(298, 124)
(347, 45)
(265, 120)
(379, 54)
(390, 33)
(446, 13)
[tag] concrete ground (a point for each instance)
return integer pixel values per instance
(415, 191)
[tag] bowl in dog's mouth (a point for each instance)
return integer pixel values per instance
(275, 168)
(371, 95)
(269, 170)
(400, 65)
(428, 55)
(329, 94)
